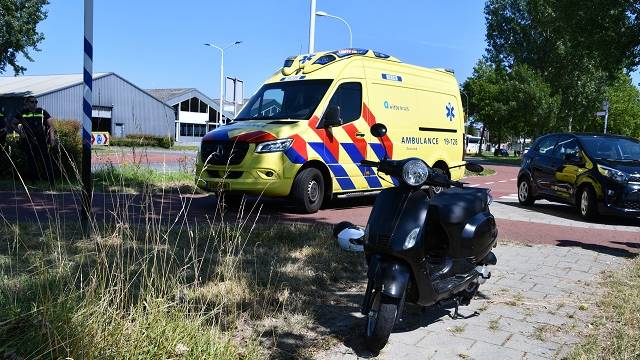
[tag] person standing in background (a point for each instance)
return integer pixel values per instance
(37, 138)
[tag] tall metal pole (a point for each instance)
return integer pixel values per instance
(312, 26)
(605, 106)
(221, 76)
(221, 85)
(87, 102)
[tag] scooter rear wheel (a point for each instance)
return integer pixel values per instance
(380, 321)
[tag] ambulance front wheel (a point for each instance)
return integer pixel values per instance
(308, 190)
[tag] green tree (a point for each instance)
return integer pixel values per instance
(486, 101)
(577, 46)
(624, 108)
(18, 31)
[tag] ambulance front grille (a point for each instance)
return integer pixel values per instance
(223, 152)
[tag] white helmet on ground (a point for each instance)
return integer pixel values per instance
(350, 237)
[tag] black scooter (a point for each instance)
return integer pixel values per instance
(421, 247)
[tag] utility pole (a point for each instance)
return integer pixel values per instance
(312, 26)
(87, 109)
(605, 107)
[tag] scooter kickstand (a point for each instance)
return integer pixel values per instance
(456, 315)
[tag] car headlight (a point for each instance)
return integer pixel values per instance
(612, 174)
(274, 146)
(411, 239)
(415, 172)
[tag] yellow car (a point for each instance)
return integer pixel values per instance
(306, 130)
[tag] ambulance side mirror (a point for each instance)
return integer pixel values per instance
(331, 117)
(378, 130)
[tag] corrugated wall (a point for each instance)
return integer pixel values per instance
(139, 112)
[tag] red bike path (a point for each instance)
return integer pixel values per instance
(18, 206)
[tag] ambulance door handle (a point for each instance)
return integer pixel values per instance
(360, 135)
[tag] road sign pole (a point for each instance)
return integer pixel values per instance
(87, 102)
(605, 107)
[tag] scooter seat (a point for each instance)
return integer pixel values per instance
(457, 205)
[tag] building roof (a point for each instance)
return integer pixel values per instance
(177, 95)
(40, 84)
(167, 94)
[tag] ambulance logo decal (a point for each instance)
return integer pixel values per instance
(306, 58)
(450, 114)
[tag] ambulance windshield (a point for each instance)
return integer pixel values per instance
(285, 100)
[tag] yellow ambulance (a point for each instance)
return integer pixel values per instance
(306, 130)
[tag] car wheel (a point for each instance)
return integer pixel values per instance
(525, 196)
(308, 190)
(587, 203)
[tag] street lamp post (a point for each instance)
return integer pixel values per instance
(222, 75)
(312, 27)
(322, 13)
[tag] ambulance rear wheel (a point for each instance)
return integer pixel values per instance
(308, 190)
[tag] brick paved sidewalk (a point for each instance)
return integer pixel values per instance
(536, 303)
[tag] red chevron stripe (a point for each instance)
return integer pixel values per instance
(300, 146)
(371, 119)
(329, 141)
(360, 143)
(255, 137)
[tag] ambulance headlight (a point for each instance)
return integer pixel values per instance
(274, 146)
(415, 172)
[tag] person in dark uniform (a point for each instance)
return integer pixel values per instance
(4, 160)
(37, 138)
(3, 128)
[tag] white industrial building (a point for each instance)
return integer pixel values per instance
(119, 107)
(196, 113)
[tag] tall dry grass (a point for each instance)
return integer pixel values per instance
(151, 282)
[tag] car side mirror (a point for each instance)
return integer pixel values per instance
(331, 117)
(378, 130)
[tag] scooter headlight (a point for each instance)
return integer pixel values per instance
(415, 172)
(411, 239)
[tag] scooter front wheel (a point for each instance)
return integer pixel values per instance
(380, 321)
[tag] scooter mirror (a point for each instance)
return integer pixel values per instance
(378, 130)
(473, 167)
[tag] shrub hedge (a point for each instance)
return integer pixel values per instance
(68, 152)
(143, 140)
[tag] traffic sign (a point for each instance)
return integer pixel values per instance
(601, 113)
(100, 138)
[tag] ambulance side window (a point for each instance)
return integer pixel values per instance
(348, 97)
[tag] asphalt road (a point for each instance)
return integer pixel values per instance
(544, 223)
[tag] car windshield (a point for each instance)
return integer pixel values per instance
(285, 100)
(612, 148)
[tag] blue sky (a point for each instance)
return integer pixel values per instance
(158, 44)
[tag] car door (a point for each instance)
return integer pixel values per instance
(542, 164)
(353, 136)
(566, 160)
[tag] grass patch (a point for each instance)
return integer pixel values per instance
(485, 172)
(458, 329)
(506, 160)
(616, 329)
(139, 178)
(494, 324)
(151, 291)
(125, 178)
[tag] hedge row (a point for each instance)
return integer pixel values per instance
(143, 140)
